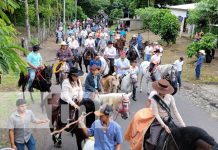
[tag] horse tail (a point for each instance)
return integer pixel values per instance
(21, 79)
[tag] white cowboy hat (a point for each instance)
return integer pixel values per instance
(155, 43)
(134, 36)
(90, 34)
(202, 52)
(63, 43)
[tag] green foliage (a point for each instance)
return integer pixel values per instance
(116, 13)
(206, 43)
(161, 22)
(9, 58)
(205, 13)
(7, 6)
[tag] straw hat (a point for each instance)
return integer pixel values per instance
(63, 43)
(105, 109)
(202, 52)
(162, 86)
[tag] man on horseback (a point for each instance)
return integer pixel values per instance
(92, 82)
(110, 53)
(161, 103)
(63, 55)
(155, 60)
(107, 133)
(121, 66)
(34, 61)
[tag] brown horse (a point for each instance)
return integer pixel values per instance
(185, 138)
(119, 44)
(54, 113)
(109, 84)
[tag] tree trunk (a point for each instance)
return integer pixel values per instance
(27, 21)
(44, 30)
(38, 19)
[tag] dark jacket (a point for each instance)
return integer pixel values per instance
(90, 84)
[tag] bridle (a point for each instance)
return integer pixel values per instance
(123, 106)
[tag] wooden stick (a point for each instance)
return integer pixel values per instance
(68, 125)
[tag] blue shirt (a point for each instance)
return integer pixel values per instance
(96, 62)
(106, 140)
(123, 33)
(200, 60)
(139, 39)
(34, 58)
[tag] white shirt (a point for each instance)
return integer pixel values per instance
(90, 43)
(69, 92)
(74, 44)
(84, 33)
(178, 65)
(148, 50)
(155, 59)
(119, 63)
(110, 52)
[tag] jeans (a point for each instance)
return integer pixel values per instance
(31, 144)
(134, 91)
(32, 75)
(179, 73)
(147, 57)
(198, 71)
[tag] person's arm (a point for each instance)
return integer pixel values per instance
(80, 91)
(11, 139)
(29, 62)
(118, 138)
(118, 147)
(176, 112)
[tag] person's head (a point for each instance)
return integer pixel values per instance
(74, 74)
(202, 52)
(96, 55)
(162, 87)
(94, 69)
(134, 37)
(104, 112)
(122, 54)
(36, 48)
(110, 44)
(157, 52)
(63, 45)
(181, 58)
(90, 35)
(134, 63)
(155, 43)
(21, 105)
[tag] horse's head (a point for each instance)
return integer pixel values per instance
(172, 74)
(133, 77)
(46, 77)
(123, 107)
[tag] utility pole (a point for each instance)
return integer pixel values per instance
(64, 19)
(75, 10)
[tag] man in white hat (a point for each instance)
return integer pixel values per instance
(199, 63)
(90, 42)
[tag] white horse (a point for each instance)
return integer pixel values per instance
(127, 82)
(167, 71)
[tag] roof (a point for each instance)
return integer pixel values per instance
(183, 7)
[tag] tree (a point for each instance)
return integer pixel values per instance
(7, 6)
(27, 20)
(205, 14)
(37, 17)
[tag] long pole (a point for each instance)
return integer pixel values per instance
(75, 10)
(64, 19)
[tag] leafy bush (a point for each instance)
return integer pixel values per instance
(206, 43)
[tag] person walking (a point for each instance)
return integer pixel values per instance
(199, 64)
(107, 133)
(148, 51)
(179, 63)
(20, 134)
(134, 71)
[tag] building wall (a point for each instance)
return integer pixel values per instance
(136, 24)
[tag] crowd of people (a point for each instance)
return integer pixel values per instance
(79, 37)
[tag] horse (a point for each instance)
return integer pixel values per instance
(132, 54)
(54, 113)
(109, 84)
(127, 82)
(87, 56)
(119, 101)
(184, 138)
(167, 71)
(77, 58)
(41, 82)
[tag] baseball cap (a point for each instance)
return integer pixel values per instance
(105, 109)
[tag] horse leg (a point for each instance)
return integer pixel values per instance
(147, 86)
(80, 63)
(141, 82)
(31, 96)
(79, 138)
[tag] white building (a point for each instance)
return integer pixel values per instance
(181, 11)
